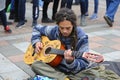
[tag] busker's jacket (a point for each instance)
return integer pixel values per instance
(53, 33)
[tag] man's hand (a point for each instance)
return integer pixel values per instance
(68, 56)
(93, 57)
(38, 47)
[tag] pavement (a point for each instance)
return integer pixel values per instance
(102, 39)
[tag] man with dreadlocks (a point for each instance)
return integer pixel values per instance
(73, 38)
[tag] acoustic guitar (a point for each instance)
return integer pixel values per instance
(51, 53)
(51, 59)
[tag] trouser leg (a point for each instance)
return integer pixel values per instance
(45, 8)
(46, 70)
(55, 7)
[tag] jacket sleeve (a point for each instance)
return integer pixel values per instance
(39, 31)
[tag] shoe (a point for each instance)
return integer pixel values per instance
(20, 24)
(94, 16)
(34, 23)
(7, 29)
(47, 20)
(109, 22)
(83, 20)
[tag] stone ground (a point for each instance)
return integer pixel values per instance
(102, 38)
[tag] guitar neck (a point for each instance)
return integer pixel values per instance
(50, 50)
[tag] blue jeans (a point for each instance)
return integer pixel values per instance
(41, 3)
(111, 8)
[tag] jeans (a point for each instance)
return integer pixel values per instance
(111, 8)
(41, 3)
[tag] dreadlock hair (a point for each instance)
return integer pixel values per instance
(68, 14)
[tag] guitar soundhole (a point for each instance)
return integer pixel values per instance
(48, 50)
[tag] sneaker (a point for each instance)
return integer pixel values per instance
(108, 20)
(83, 20)
(20, 24)
(34, 23)
(94, 17)
(7, 29)
(47, 20)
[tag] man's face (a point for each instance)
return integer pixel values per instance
(65, 28)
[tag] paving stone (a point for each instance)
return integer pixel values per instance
(104, 50)
(22, 46)
(10, 71)
(10, 50)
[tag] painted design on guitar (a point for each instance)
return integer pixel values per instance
(51, 59)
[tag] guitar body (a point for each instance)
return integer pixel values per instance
(51, 59)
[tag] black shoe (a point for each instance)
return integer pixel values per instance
(109, 22)
(47, 20)
(20, 24)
